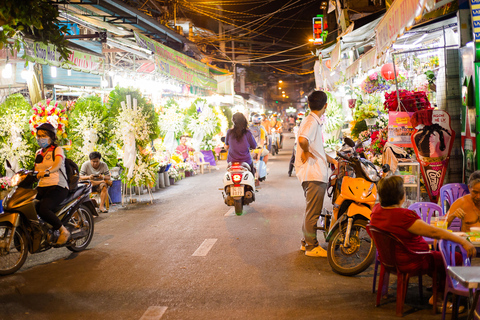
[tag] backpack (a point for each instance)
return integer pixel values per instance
(72, 173)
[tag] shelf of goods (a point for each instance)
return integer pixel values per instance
(410, 172)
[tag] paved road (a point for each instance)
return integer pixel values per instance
(188, 257)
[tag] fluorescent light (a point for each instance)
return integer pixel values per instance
(419, 39)
(53, 71)
(69, 72)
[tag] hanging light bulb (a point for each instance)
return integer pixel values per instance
(24, 74)
(7, 71)
(53, 71)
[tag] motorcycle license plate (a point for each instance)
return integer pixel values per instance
(236, 191)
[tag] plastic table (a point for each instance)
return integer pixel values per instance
(469, 277)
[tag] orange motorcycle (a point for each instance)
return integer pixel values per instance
(354, 192)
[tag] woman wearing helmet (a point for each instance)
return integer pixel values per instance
(52, 186)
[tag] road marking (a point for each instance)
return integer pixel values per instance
(204, 248)
(154, 313)
(230, 213)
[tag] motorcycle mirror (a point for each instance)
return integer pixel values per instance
(39, 158)
(349, 142)
(9, 166)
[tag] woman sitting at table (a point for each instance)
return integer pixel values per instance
(467, 208)
(405, 224)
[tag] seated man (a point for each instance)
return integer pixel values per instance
(183, 149)
(97, 172)
(467, 208)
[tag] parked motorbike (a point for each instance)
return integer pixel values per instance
(350, 248)
(22, 231)
(238, 186)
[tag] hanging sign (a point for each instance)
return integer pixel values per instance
(352, 70)
(77, 60)
(369, 60)
(335, 56)
(400, 128)
(183, 74)
(432, 142)
(171, 55)
(400, 16)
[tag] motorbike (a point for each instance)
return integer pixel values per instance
(275, 141)
(238, 186)
(354, 192)
(22, 231)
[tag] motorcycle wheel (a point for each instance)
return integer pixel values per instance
(355, 259)
(238, 207)
(82, 219)
(13, 260)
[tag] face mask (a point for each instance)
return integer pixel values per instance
(43, 142)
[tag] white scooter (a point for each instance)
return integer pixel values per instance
(238, 186)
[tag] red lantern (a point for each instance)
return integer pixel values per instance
(328, 63)
(387, 71)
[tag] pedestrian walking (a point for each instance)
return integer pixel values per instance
(312, 170)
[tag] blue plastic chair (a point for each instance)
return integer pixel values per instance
(449, 193)
(448, 249)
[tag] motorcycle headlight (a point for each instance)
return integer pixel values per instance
(16, 179)
(371, 172)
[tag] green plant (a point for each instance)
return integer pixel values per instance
(334, 114)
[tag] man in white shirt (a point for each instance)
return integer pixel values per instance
(311, 169)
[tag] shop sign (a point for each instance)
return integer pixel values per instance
(369, 60)
(183, 74)
(400, 129)
(352, 70)
(77, 60)
(475, 13)
(171, 55)
(432, 142)
(335, 56)
(399, 16)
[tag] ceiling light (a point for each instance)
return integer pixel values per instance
(7, 71)
(53, 72)
(69, 72)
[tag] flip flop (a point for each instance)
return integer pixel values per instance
(103, 211)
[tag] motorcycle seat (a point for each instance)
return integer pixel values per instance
(72, 195)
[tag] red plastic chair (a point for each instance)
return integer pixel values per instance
(448, 249)
(387, 246)
(449, 193)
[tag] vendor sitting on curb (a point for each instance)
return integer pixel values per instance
(97, 172)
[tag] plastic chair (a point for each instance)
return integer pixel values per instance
(200, 160)
(387, 246)
(449, 193)
(448, 249)
(426, 210)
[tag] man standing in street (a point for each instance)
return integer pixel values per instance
(311, 169)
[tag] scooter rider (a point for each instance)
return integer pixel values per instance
(52, 186)
(260, 135)
(239, 140)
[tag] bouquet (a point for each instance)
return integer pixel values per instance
(4, 183)
(374, 82)
(411, 101)
(51, 112)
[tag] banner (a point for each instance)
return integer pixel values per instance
(170, 55)
(369, 60)
(433, 144)
(400, 15)
(400, 129)
(352, 70)
(335, 56)
(184, 75)
(77, 60)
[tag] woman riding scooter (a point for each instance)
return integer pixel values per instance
(239, 141)
(52, 186)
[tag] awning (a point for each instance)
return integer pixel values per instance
(400, 17)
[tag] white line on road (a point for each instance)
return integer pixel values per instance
(204, 248)
(230, 213)
(154, 313)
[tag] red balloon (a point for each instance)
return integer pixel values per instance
(328, 63)
(387, 71)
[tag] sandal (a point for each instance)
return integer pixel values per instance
(449, 310)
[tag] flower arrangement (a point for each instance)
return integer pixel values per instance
(144, 172)
(4, 183)
(204, 120)
(208, 144)
(374, 82)
(411, 101)
(173, 173)
(51, 112)
(171, 118)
